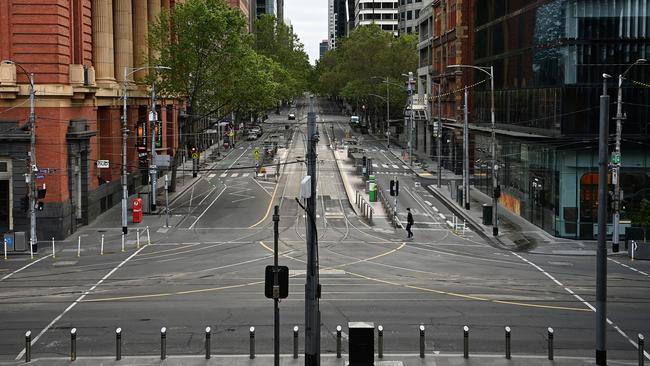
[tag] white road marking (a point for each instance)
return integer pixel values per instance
(234, 175)
(207, 208)
(395, 166)
(610, 322)
(211, 175)
(245, 174)
(24, 267)
(223, 175)
(375, 165)
(405, 166)
(428, 203)
(384, 166)
(442, 216)
(435, 209)
(20, 355)
(628, 267)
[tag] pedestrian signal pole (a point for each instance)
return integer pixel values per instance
(312, 287)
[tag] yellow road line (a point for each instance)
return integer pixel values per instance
(275, 190)
(470, 297)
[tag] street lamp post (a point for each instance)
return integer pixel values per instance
(616, 163)
(439, 135)
(495, 203)
(387, 82)
(128, 71)
(33, 168)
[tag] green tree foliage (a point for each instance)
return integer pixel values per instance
(214, 62)
(353, 70)
(277, 42)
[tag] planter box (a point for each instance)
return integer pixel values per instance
(641, 250)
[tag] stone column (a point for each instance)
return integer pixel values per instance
(123, 25)
(102, 25)
(140, 29)
(153, 10)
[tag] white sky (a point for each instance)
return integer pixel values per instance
(309, 20)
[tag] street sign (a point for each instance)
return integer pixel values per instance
(103, 164)
(616, 158)
(283, 282)
(195, 155)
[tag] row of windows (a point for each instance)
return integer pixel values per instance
(405, 2)
(378, 5)
(409, 15)
(378, 16)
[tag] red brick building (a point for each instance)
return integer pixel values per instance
(77, 51)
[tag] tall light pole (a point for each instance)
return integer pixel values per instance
(30, 178)
(616, 158)
(410, 91)
(387, 82)
(439, 136)
(495, 202)
(128, 71)
(601, 249)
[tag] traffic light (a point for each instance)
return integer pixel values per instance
(24, 203)
(364, 160)
(40, 205)
(497, 191)
(394, 188)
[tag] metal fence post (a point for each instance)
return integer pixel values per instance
(252, 342)
(207, 343)
(507, 343)
(28, 346)
(73, 344)
(550, 343)
(148, 236)
(466, 342)
(641, 341)
(79, 246)
(137, 238)
(163, 343)
(421, 341)
(295, 341)
(338, 341)
(118, 344)
(101, 246)
(122, 241)
(53, 250)
(380, 341)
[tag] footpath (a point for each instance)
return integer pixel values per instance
(326, 360)
(515, 232)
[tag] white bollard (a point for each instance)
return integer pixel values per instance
(122, 241)
(53, 250)
(79, 246)
(148, 237)
(31, 248)
(137, 238)
(101, 246)
(5, 241)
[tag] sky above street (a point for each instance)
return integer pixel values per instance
(309, 20)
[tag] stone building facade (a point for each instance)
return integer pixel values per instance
(77, 51)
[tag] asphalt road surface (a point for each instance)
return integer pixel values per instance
(208, 270)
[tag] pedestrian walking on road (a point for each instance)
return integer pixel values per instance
(409, 222)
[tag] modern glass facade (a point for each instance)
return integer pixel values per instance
(265, 7)
(548, 58)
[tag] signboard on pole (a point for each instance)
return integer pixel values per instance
(103, 164)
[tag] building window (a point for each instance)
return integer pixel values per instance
(409, 15)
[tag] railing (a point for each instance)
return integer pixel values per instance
(366, 210)
(550, 334)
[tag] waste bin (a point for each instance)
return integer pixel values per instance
(136, 204)
(487, 214)
(372, 193)
(361, 343)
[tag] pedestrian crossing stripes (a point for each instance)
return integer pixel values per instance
(384, 166)
(375, 165)
(223, 175)
(235, 175)
(395, 166)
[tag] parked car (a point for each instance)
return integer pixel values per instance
(256, 130)
(292, 116)
(252, 136)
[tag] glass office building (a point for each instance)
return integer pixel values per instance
(548, 58)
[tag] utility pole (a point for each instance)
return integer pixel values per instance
(312, 287)
(439, 146)
(276, 288)
(466, 151)
(33, 169)
(387, 114)
(166, 201)
(601, 251)
(153, 169)
(495, 166)
(616, 158)
(410, 92)
(125, 134)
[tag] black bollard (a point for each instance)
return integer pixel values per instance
(338, 341)
(295, 342)
(118, 344)
(73, 344)
(466, 342)
(550, 343)
(207, 343)
(163, 343)
(507, 343)
(28, 346)
(252, 342)
(421, 341)
(380, 341)
(641, 340)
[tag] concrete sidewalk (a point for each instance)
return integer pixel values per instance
(515, 232)
(326, 360)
